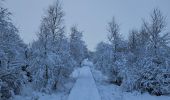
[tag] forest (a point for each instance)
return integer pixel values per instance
(140, 63)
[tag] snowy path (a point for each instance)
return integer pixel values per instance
(85, 87)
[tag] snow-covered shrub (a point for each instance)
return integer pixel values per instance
(147, 74)
(10, 84)
(153, 79)
(104, 61)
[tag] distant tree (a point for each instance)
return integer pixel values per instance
(78, 48)
(133, 39)
(114, 36)
(109, 57)
(103, 58)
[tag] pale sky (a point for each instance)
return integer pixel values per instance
(91, 16)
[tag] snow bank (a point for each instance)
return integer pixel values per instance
(113, 92)
(98, 76)
(86, 62)
(75, 73)
(30, 94)
(146, 96)
(42, 96)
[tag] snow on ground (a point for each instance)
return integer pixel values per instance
(86, 62)
(113, 92)
(42, 96)
(85, 87)
(30, 94)
(75, 73)
(90, 85)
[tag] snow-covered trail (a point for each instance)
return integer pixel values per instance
(85, 87)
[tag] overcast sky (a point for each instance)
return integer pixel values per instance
(91, 16)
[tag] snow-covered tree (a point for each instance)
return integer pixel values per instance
(78, 48)
(103, 58)
(110, 57)
(12, 58)
(149, 70)
(118, 49)
(51, 59)
(157, 55)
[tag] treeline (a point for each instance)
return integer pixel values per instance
(141, 63)
(45, 64)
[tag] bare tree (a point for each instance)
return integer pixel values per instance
(132, 42)
(114, 36)
(54, 19)
(155, 29)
